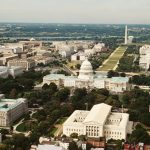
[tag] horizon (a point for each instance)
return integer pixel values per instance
(63, 23)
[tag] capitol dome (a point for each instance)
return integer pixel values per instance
(86, 71)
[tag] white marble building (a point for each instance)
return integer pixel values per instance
(145, 57)
(80, 56)
(98, 122)
(65, 50)
(88, 79)
(99, 47)
(26, 64)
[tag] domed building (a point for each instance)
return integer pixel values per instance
(86, 71)
(87, 79)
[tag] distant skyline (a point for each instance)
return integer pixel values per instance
(76, 11)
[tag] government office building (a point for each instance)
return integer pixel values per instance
(98, 122)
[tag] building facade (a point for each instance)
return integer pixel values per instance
(11, 110)
(144, 61)
(26, 64)
(13, 71)
(87, 79)
(98, 122)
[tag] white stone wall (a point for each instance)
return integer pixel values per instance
(68, 130)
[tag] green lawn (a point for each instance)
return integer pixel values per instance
(113, 59)
(61, 120)
(53, 130)
(21, 127)
(26, 126)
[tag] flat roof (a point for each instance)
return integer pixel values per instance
(123, 117)
(72, 119)
(10, 103)
(54, 76)
(119, 79)
(49, 147)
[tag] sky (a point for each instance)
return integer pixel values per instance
(76, 11)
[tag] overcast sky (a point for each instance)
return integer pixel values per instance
(76, 11)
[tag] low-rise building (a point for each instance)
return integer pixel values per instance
(89, 52)
(3, 72)
(98, 122)
(26, 64)
(11, 110)
(5, 58)
(80, 56)
(43, 53)
(42, 60)
(117, 84)
(144, 61)
(99, 47)
(13, 71)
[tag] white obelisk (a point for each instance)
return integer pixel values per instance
(126, 35)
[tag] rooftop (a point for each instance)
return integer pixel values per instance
(117, 119)
(98, 114)
(54, 76)
(8, 104)
(77, 117)
(49, 147)
(119, 79)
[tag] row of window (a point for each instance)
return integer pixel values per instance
(75, 130)
(92, 134)
(114, 136)
(112, 132)
(91, 127)
(92, 130)
(118, 120)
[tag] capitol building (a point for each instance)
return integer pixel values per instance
(88, 79)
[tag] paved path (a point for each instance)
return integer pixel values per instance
(59, 130)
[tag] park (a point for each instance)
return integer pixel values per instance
(112, 61)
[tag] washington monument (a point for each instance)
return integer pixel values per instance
(126, 35)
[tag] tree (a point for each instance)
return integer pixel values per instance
(104, 92)
(145, 118)
(122, 74)
(13, 93)
(125, 99)
(139, 135)
(27, 84)
(82, 137)
(73, 146)
(18, 141)
(74, 135)
(112, 73)
(78, 66)
(4, 131)
(27, 116)
(3, 147)
(45, 86)
(63, 94)
(53, 87)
